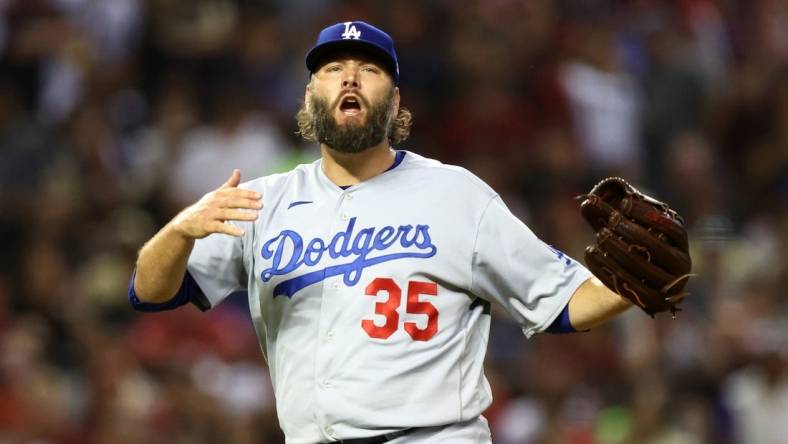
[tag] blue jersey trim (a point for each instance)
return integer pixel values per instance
(562, 324)
(397, 160)
(189, 292)
(299, 202)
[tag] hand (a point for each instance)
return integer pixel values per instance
(641, 250)
(211, 213)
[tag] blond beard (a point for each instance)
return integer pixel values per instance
(351, 137)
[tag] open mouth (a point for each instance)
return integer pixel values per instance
(350, 106)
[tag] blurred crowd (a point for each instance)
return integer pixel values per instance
(115, 114)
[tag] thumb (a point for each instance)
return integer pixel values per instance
(234, 179)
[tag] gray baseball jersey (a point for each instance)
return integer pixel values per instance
(371, 303)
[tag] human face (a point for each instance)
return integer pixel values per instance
(352, 102)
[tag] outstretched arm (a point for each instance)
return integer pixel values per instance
(593, 304)
(161, 264)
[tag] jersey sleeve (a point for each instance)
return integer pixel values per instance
(532, 281)
(217, 266)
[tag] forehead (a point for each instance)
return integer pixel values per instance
(359, 57)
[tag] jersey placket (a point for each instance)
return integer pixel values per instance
(330, 310)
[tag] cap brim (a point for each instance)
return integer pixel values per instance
(320, 54)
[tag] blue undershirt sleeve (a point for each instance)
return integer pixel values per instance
(188, 292)
(562, 324)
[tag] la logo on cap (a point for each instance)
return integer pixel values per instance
(351, 32)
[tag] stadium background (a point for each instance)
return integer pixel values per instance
(114, 114)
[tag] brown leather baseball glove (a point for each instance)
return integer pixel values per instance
(641, 250)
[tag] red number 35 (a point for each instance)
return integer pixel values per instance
(388, 309)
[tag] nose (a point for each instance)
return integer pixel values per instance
(350, 80)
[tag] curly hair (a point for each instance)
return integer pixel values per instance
(400, 126)
(398, 131)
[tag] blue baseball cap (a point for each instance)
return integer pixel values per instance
(354, 36)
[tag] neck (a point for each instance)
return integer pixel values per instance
(346, 169)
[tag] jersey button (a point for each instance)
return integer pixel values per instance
(335, 285)
(329, 336)
(330, 431)
(349, 196)
(345, 216)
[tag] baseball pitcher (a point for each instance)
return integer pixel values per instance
(370, 272)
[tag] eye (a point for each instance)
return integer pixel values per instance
(371, 68)
(332, 68)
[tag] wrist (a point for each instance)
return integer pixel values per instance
(177, 231)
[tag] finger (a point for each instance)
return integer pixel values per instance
(634, 258)
(239, 192)
(234, 180)
(228, 214)
(673, 260)
(219, 227)
(664, 221)
(613, 275)
(237, 202)
(596, 211)
(245, 193)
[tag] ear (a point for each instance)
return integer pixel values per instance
(395, 102)
(308, 92)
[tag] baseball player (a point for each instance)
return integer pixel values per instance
(370, 272)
